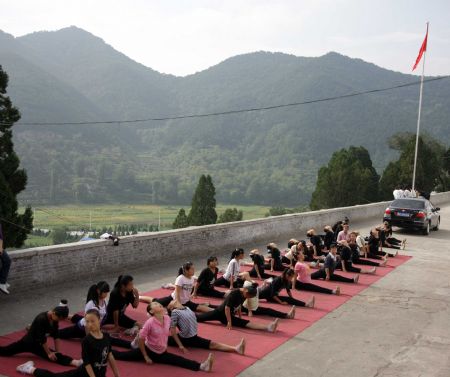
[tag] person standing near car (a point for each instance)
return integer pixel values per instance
(5, 265)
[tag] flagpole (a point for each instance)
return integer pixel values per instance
(418, 118)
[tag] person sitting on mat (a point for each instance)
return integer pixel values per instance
(184, 319)
(316, 241)
(95, 353)
(302, 278)
(229, 312)
(184, 286)
(96, 299)
(233, 277)
(274, 260)
(153, 339)
(286, 259)
(205, 282)
(345, 262)
(123, 294)
(251, 306)
(327, 271)
(271, 291)
(375, 250)
(258, 270)
(35, 340)
(357, 252)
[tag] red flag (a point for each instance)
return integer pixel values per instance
(423, 48)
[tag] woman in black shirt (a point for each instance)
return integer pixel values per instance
(271, 291)
(274, 258)
(123, 294)
(95, 352)
(206, 280)
(258, 270)
(229, 312)
(35, 341)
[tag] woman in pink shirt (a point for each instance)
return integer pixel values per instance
(302, 278)
(153, 339)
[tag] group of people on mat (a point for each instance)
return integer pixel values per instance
(173, 319)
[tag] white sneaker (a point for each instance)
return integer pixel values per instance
(4, 289)
(7, 285)
(26, 368)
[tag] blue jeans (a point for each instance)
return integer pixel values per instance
(6, 264)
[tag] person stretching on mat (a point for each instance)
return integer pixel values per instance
(184, 319)
(96, 299)
(95, 353)
(354, 244)
(153, 339)
(123, 294)
(227, 310)
(286, 259)
(251, 306)
(35, 340)
(302, 278)
(345, 262)
(233, 277)
(271, 291)
(375, 250)
(327, 271)
(205, 282)
(274, 261)
(184, 285)
(258, 270)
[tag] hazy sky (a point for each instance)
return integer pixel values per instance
(182, 37)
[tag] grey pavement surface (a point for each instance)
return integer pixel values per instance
(399, 326)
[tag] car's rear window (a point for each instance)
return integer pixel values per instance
(408, 204)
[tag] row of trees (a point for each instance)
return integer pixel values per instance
(350, 178)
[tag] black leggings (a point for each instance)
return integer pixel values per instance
(219, 315)
(266, 311)
(263, 273)
(222, 282)
(312, 288)
(194, 342)
(78, 332)
(321, 274)
(392, 246)
(209, 292)
(365, 262)
(79, 372)
(124, 321)
(24, 345)
(290, 300)
(160, 358)
(348, 266)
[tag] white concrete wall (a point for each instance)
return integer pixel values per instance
(69, 262)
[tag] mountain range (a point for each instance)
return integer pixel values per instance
(266, 157)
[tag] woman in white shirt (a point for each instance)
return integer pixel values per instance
(233, 277)
(184, 286)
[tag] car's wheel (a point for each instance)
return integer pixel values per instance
(437, 225)
(426, 230)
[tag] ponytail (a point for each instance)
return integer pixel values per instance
(123, 280)
(62, 310)
(95, 290)
(186, 266)
(236, 252)
(287, 272)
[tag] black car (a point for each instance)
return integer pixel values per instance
(413, 213)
